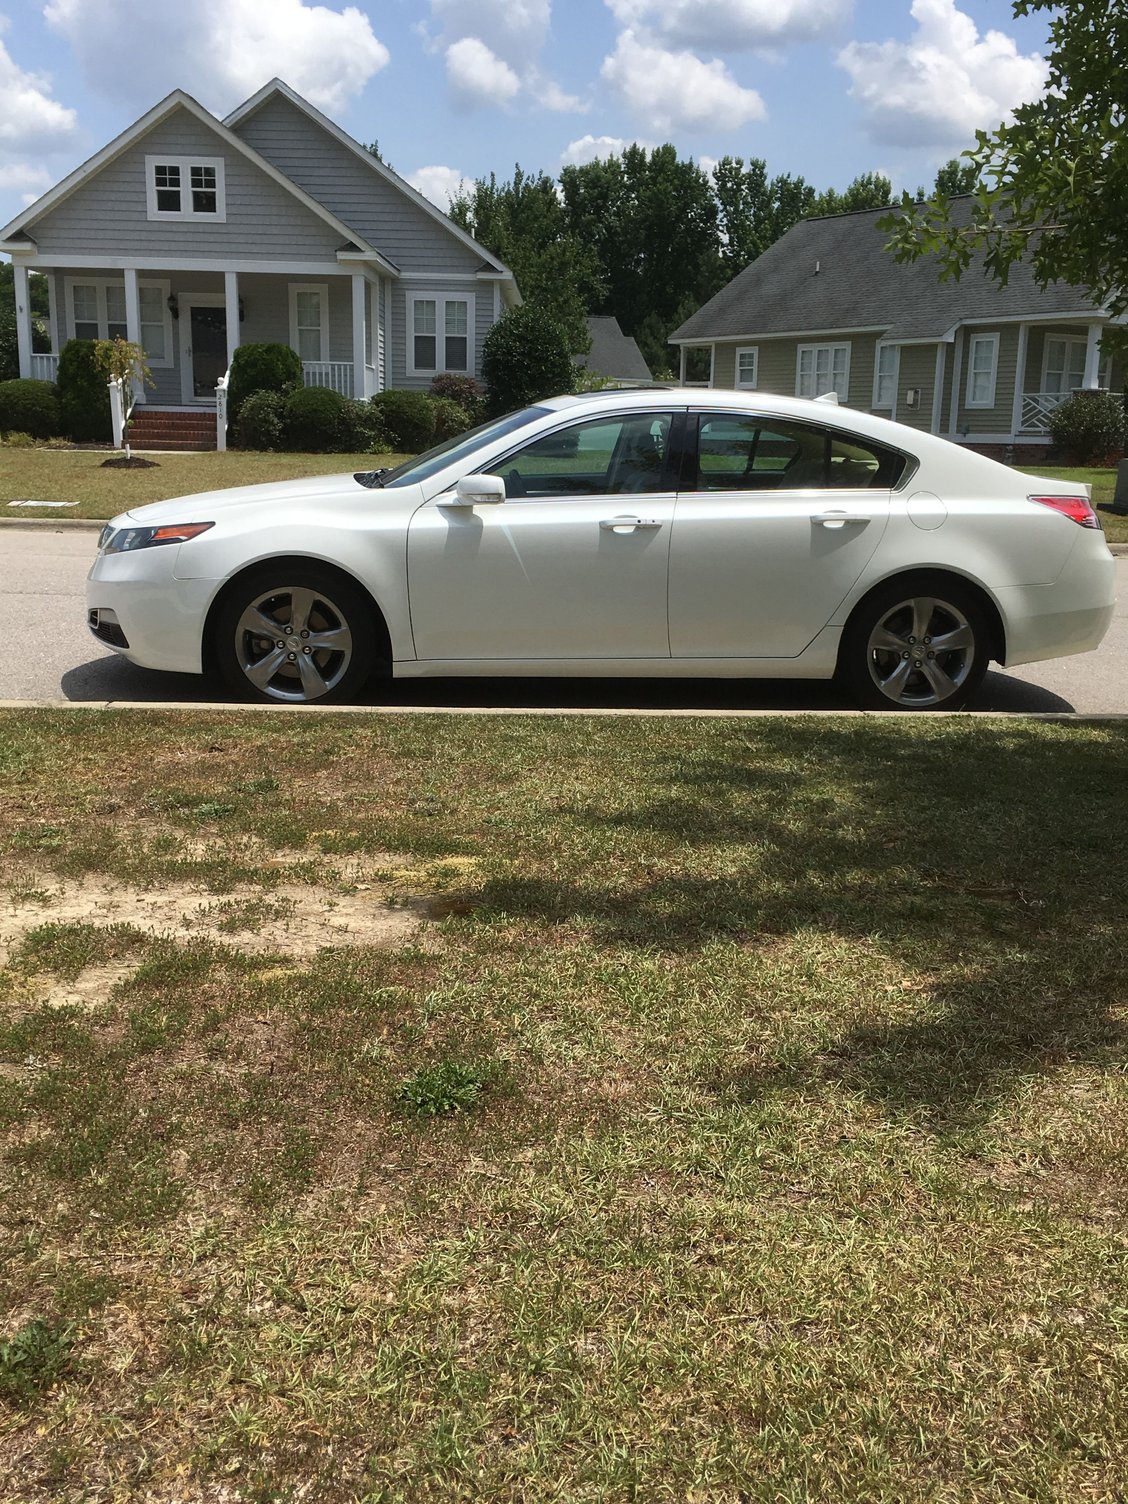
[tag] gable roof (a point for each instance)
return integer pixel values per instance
(613, 353)
(277, 87)
(834, 273)
(178, 99)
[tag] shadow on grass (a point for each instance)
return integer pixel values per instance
(990, 859)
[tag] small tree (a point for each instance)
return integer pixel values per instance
(525, 357)
(124, 362)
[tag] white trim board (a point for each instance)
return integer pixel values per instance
(60, 262)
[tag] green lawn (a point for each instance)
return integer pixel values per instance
(684, 1110)
(77, 475)
(69, 475)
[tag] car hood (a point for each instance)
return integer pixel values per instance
(209, 506)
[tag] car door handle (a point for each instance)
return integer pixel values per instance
(836, 519)
(628, 524)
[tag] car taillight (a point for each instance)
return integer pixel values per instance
(1076, 508)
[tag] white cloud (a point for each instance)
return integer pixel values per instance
(477, 76)
(596, 149)
(733, 25)
(551, 96)
(439, 184)
(222, 50)
(514, 30)
(23, 177)
(935, 89)
(30, 119)
(670, 91)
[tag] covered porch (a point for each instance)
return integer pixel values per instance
(1053, 362)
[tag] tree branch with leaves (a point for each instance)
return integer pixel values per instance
(124, 362)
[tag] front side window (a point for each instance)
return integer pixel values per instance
(440, 335)
(185, 188)
(822, 369)
(886, 370)
(625, 455)
(747, 453)
(309, 321)
(982, 363)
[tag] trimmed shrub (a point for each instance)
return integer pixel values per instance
(360, 429)
(409, 419)
(261, 368)
(1088, 427)
(525, 357)
(451, 418)
(9, 344)
(461, 389)
(262, 422)
(84, 397)
(313, 418)
(29, 407)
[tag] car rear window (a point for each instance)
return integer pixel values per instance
(747, 453)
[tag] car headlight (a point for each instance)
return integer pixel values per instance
(126, 539)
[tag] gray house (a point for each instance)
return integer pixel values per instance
(191, 235)
(826, 308)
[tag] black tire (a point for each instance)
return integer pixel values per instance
(920, 643)
(329, 664)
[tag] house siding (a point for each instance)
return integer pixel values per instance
(109, 214)
(998, 418)
(778, 359)
(401, 293)
(386, 216)
(917, 371)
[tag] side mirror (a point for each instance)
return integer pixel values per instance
(474, 490)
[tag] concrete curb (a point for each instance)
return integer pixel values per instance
(201, 707)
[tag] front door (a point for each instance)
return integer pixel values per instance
(570, 567)
(203, 347)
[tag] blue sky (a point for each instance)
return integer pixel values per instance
(823, 88)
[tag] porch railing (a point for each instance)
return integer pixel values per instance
(1037, 407)
(221, 411)
(337, 375)
(44, 367)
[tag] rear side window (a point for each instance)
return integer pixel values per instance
(739, 453)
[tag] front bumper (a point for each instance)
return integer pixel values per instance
(159, 619)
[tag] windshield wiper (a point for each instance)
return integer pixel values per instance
(371, 478)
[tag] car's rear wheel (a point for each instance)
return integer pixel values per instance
(297, 635)
(917, 645)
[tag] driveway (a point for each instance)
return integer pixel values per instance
(44, 571)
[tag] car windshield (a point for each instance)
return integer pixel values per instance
(426, 465)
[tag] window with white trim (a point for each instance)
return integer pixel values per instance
(982, 368)
(748, 367)
(309, 320)
(887, 367)
(96, 310)
(185, 188)
(440, 334)
(822, 368)
(1063, 365)
(156, 322)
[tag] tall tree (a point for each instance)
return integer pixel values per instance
(956, 177)
(755, 210)
(1052, 185)
(871, 190)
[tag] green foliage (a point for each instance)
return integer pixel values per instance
(33, 1358)
(9, 343)
(1050, 185)
(84, 399)
(450, 418)
(40, 310)
(408, 419)
(261, 368)
(871, 190)
(525, 357)
(30, 407)
(262, 422)
(313, 416)
(462, 389)
(956, 177)
(449, 1086)
(360, 429)
(753, 210)
(120, 360)
(1089, 426)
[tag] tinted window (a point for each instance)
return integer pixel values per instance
(737, 453)
(602, 457)
(463, 447)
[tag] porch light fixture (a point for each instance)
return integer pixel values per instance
(173, 305)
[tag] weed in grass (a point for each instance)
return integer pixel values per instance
(33, 1358)
(447, 1086)
(67, 949)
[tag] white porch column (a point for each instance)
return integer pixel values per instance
(938, 388)
(231, 313)
(1093, 359)
(1020, 380)
(358, 334)
(53, 314)
(133, 323)
(957, 373)
(23, 317)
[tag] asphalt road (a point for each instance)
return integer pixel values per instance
(53, 657)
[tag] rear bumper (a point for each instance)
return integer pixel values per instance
(1070, 616)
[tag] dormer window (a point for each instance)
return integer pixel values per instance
(185, 188)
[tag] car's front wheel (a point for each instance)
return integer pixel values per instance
(295, 635)
(917, 645)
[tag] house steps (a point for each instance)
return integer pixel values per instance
(153, 429)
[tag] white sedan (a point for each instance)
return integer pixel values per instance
(657, 532)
